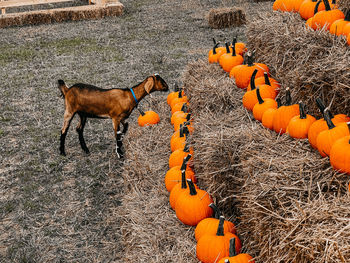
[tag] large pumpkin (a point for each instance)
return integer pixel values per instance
(193, 206)
(337, 28)
(211, 248)
(307, 8)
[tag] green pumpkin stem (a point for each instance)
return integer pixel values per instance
(232, 248)
(260, 99)
(227, 48)
(183, 179)
(250, 60)
(252, 80)
(326, 4)
(279, 103)
(193, 190)
(214, 48)
(327, 117)
(220, 231)
(288, 97)
(184, 163)
(267, 80)
(216, 210)
(317, 6)
(302, 110)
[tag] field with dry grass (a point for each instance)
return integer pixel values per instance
(65, 209)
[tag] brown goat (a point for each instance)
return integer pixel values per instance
(117, 104)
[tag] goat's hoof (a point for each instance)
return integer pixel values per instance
(63, 153)
(87, 151)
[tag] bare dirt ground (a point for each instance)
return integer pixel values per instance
(58, 209)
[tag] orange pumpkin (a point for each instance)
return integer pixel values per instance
(324, 19)
(339, 156)
(211, 248)
(176, 157)
(307, 8)
(193, 206)
(215, 54)
(337, 28)
(267, 118)
(267, 81)
(298, 126)
(229, 60)
(234, 257)
(177, 190)
(262, 105)
(208, 226)
(147, 118)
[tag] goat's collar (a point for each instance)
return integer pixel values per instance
(133, 94)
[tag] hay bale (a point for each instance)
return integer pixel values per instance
(312, 63)
(344, 5)
(277, 188)
(60, 14)
(151, 232)
(226, 17)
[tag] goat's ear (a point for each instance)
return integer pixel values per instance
(149, 85)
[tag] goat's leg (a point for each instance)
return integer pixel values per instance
(66, 123)
(118, 136)
(80, 130)
(125, 127)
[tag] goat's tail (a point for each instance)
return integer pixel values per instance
(63, 87)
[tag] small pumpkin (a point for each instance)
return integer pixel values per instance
(242, 73)
(262, 105)
(174, 94)
(180, 106)
(307, 8)
(179, 121)
(327, 138)
(321, 124)
(348, 39)
(178, 189)
(284, 114)
(268, 115)
(234, 257)
(176, 157)
(209, 226)
(229, 60)
(212, 248)
(179, 142)
(147, 118)
(324, 19)
(240, 47)
(250, 97)
(180, 99)
(215, 54)
(193, 206)
(267, 81)
(310, 22)
(299, 126)
(174, 174)
(339, 156)
(178, 115)
(337, 28)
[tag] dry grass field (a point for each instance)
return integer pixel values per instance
(62, 209)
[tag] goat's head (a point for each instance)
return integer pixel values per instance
(155, 83)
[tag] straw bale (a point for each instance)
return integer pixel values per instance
(60, 14)
(151, 231)
(312, 63)
(278, 189)
(226, 17)
(344, 5)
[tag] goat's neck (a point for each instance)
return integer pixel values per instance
(140, 91)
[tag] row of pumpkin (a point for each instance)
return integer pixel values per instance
(216, 237)
(319, 14)
(329, 135)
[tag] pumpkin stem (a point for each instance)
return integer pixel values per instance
(214, 48)
(141, 111)
(288, 97)
(185, 129)
(317, 6)
(227, 48)
(188, 117)
(184, 163)
(250, 60)
(232, 248)
(214, 41)
(184, 108)
(234, 46)
(326, 4)
(180, 92)
(183, 179)
(327, 117)
(348, 123)
(193, 190)
(278, 102)
(220, 231)
(216, 210)
(176, 87)
(181, 131)
(267, 80)
(322, 107)
(187, 148)
(302, 110)
(252, 80)
(260, 99)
